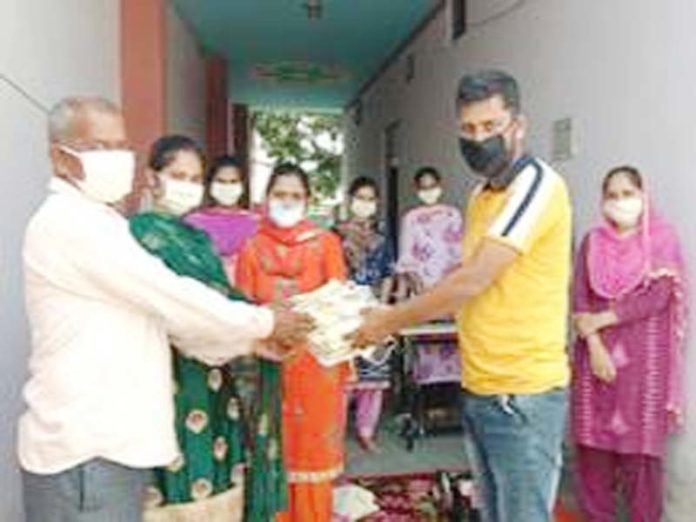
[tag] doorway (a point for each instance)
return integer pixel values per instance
(391, 161)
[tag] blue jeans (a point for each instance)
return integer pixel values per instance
(514, 444)
(97, 491)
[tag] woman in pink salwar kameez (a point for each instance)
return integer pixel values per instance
(630, 312)
(431, 233)
(224, 216)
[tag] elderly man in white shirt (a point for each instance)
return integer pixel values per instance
(102, 311)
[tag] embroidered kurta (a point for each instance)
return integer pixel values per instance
(430, 243)
(630, 415)
(209, 424)
(370, 260)
(275, 265)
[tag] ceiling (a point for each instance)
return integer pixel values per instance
(278, 57)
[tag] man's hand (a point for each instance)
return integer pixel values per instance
(291, 328)
(375, 328)
(274, 352)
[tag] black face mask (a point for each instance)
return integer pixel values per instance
(489, 158)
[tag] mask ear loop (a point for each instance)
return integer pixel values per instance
(66, 149)
(517, 146)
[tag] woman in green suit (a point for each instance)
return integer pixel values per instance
(227, 469)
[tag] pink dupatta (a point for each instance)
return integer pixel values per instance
(619, 265)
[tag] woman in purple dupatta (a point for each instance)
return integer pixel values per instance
(223, 218)
(630, 309)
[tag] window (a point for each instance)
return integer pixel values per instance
(410, 68)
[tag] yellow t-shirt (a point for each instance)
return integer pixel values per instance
(513, 336)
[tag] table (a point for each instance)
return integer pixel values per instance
(447, 328)
(411, 391)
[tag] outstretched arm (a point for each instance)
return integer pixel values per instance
(468, 281)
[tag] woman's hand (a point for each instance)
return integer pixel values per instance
(583, 324)
(600, 360)
(415, 283)
(387, 288)
(588, 324)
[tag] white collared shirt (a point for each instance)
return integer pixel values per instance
(100, 310)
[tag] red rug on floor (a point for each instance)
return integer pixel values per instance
(415, 498)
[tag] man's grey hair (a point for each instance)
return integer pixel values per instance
(62, 117)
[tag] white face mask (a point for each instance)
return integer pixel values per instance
(626, 212)
(180, 197)
(108, 174)
(227, 194)
(285, 215)
(363, 209)
(430, 196)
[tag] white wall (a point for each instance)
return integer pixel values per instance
(51, 49)
(624, 70)
(186, 91)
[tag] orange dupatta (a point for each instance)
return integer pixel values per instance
(275, 265)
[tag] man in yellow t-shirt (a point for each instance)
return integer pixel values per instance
(510, 296)
(513, 335)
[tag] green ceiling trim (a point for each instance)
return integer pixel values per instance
(278, 57)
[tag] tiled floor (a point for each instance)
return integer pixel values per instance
(431, 453)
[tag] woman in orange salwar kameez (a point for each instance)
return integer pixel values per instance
(290, 255)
